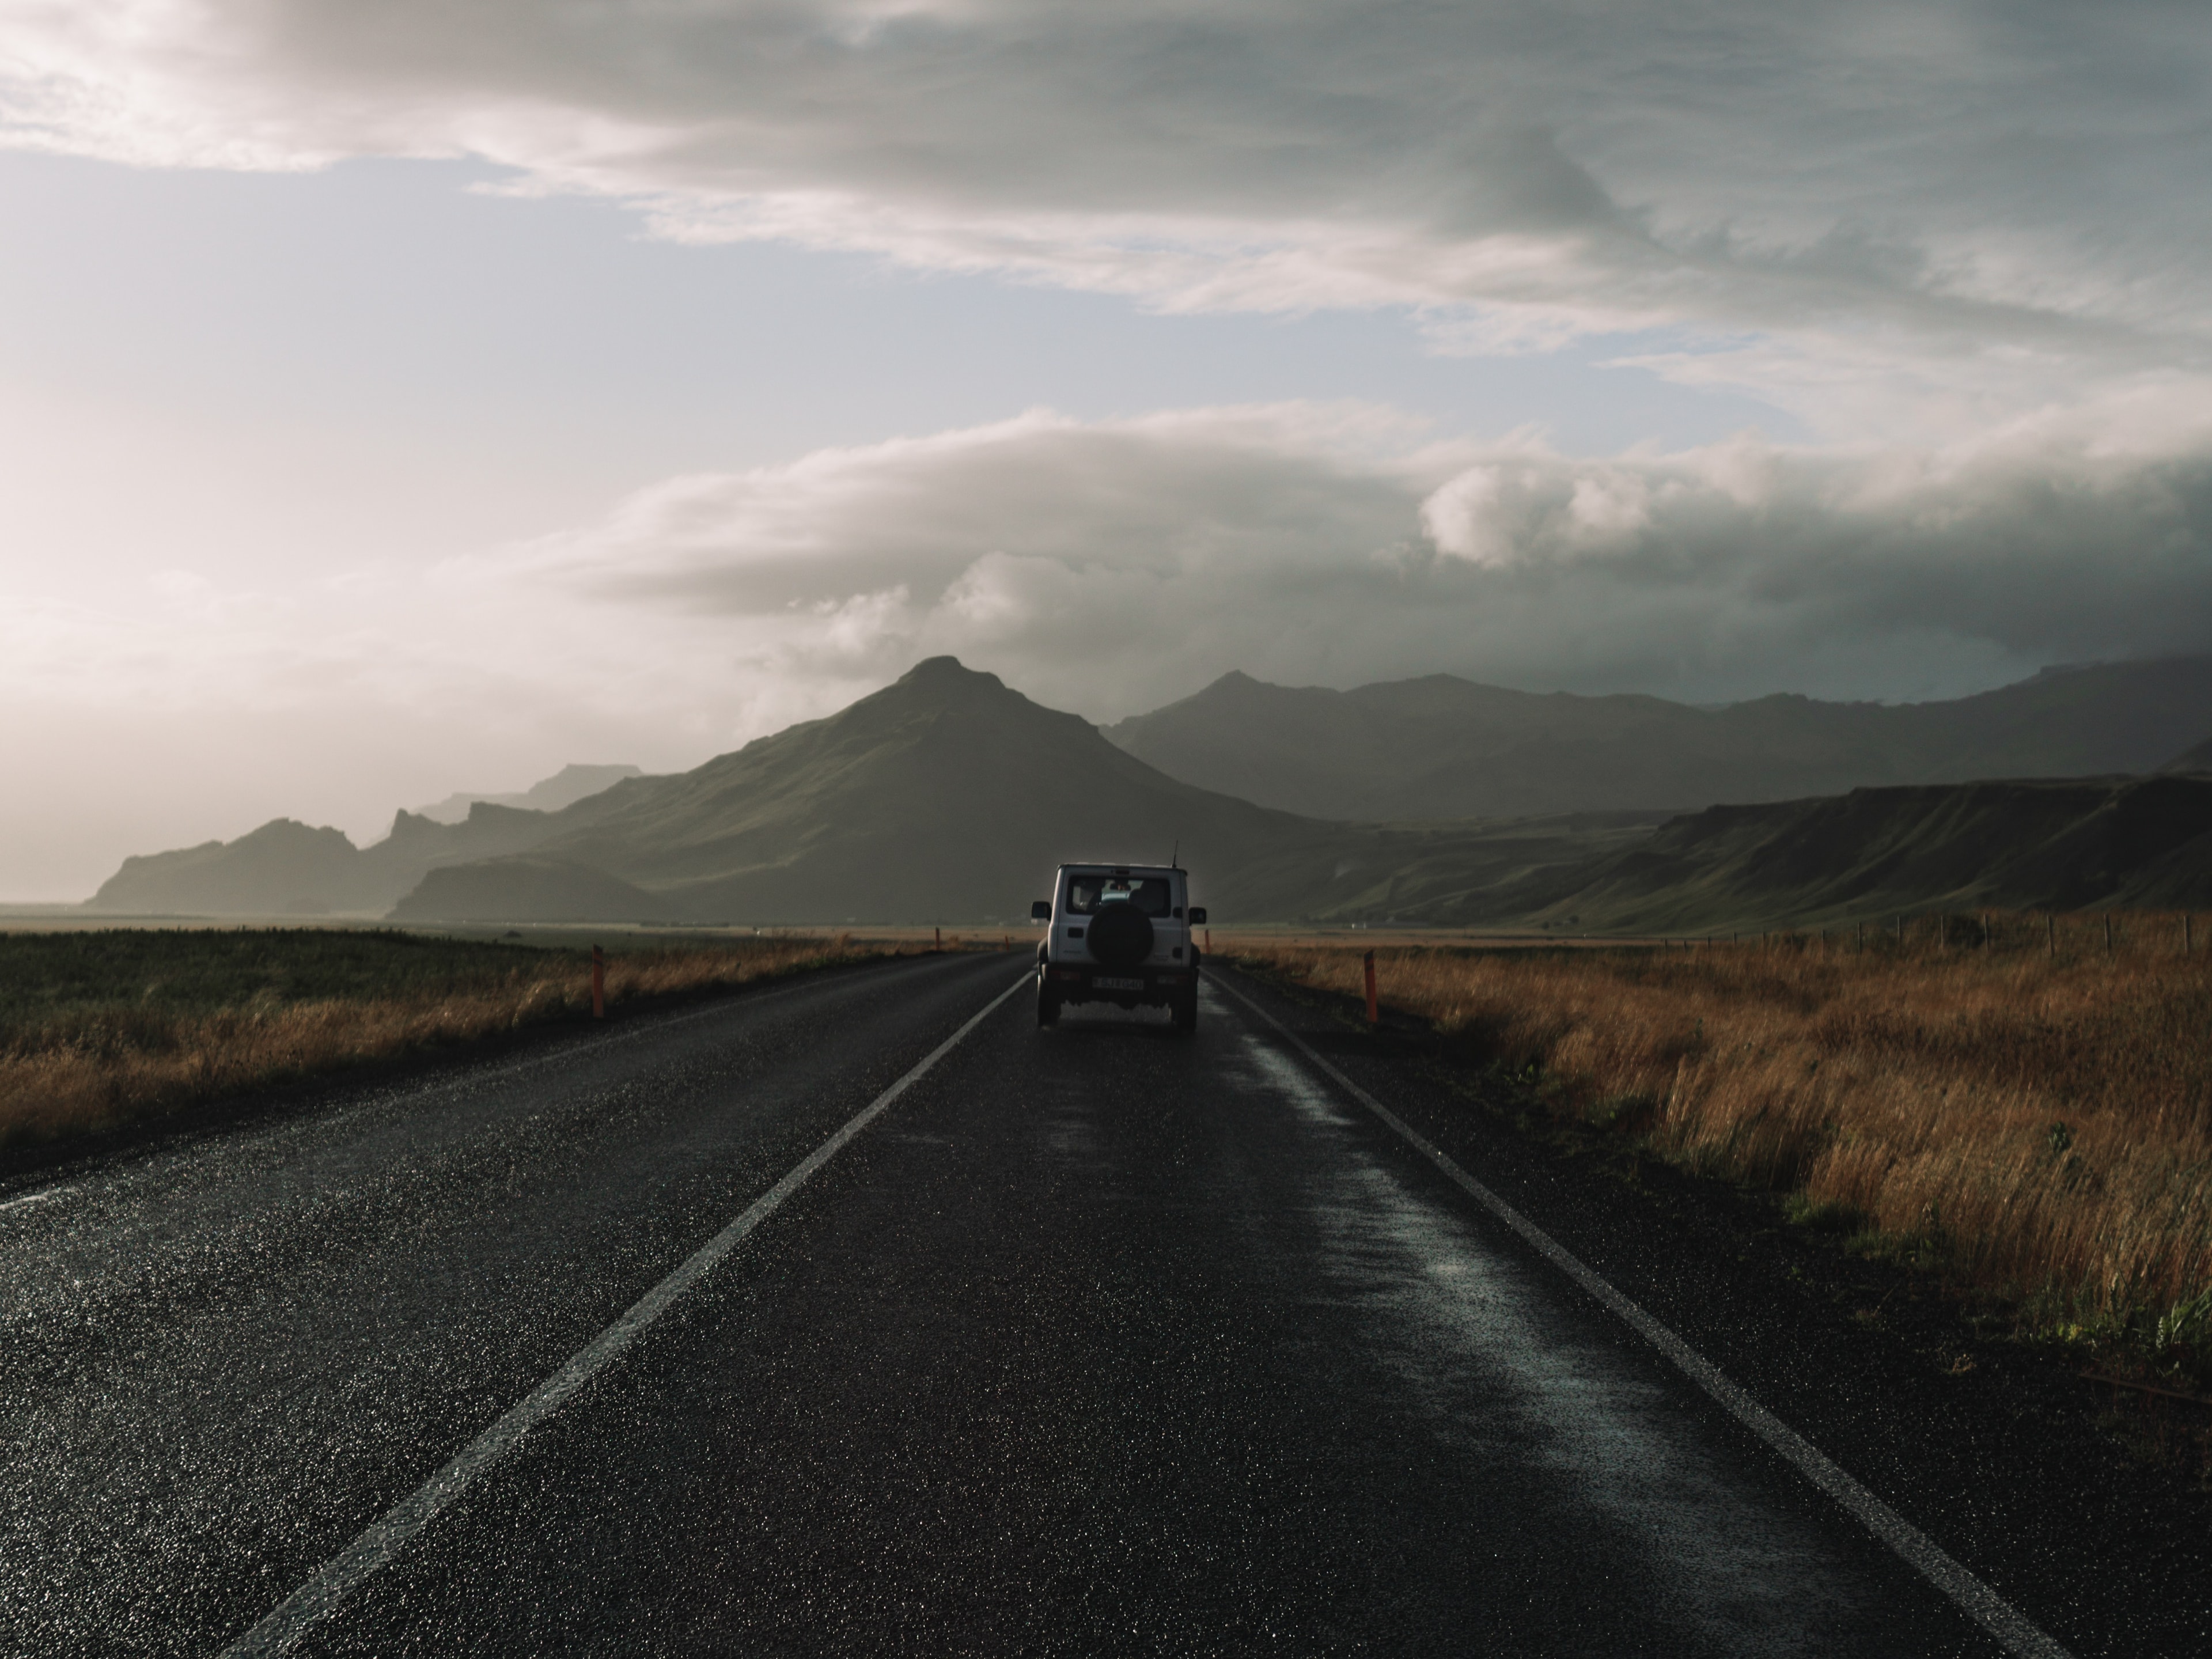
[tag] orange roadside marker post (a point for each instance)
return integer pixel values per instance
(598, 983)
(1374, 1016)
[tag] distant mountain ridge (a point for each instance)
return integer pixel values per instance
(571, 784)
(949, 796)
(1440, 747)
(2199, 759)
(289, 868)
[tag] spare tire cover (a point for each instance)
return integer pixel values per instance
(1121, 936)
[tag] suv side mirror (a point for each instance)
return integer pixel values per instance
(1198, 915)
(1040, 910)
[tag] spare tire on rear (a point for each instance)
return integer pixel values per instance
(1121, 936)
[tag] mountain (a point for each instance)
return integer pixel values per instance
(2069, 844)
(1347, 873)
(283, 868)
(564, 788)
(946, 795)
(949, 796)
(2199, 759)
(1441, 747)
(286, 868)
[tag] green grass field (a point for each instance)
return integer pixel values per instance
(46, 978)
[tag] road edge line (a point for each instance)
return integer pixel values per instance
(285, 1624)
(2019, 1634)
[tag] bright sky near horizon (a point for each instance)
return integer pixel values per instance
(403, 399)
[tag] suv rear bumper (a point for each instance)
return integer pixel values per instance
(1129, 987)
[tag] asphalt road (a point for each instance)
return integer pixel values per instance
(1098, 1339)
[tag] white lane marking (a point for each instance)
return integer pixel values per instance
(34, 1198)
(357, 1563)
(1976, 1599)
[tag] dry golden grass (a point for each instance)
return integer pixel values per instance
(2042, 1127)
(98, 1065)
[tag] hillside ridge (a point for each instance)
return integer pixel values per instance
(1439, 747)
(2021, 844)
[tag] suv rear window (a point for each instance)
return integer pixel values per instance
(1088, 895)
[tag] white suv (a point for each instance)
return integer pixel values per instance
(1119, 934)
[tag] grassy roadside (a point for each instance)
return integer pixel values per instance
(100, 1029)
(2037, 1129)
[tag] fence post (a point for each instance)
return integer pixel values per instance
(2108, 932)
(1373, 1015)
(1209, 941)
(2050, 936)
(2187, 945)
(598, 983)
(938, 934)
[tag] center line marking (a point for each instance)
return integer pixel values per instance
(361, 1560)
(1974, 1598)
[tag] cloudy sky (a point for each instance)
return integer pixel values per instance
(410, 396)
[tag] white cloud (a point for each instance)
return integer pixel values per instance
(1982, 205)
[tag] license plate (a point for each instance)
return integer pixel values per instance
(1112, 982)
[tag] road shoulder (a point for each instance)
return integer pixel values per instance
(1996, 1451)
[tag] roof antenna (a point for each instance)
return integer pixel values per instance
(1174, 854)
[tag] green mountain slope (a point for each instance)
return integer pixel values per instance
(1441, 747)
(2033, 845)
(1420, 872)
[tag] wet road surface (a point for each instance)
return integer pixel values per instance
(1097, 1340)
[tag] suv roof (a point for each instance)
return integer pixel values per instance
(1128, 869)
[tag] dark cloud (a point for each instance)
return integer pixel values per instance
(1110, 566)
(1969, 179)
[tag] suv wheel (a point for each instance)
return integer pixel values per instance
(1185, 1008)
(1047, 1001)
